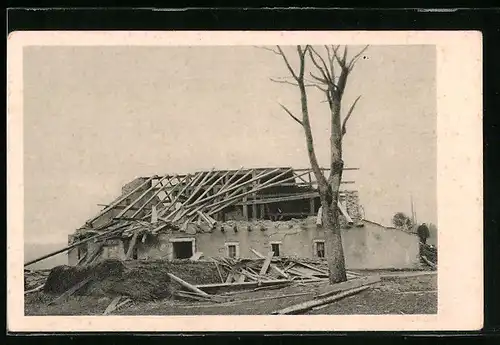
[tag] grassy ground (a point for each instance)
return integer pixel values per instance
(393, 295)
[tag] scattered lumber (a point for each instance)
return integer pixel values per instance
(428, 262)
(35, 289)
(234, 302)
(121, 304)
(187, 285)
(198, 297)
(112, 306)
(350, 284)
(131, 246)
(240, 286)
(386, 276)
(303, 307)
(266, 264)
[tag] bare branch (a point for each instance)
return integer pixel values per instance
(283, 81)
(321, 80)
(308, 84)
(287, 63)
(344, 57)
(356, 57)
(349, 113)
(323, 69)
(290, 113)
(331, 58)
(302, 53)
(269, 49)
(339, 59)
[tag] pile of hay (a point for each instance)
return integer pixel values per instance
(61, 278)
(193, 272)
(139, 280)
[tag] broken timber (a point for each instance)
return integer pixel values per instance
(187, 285)
(303, 307)
(212, 288)
(350, 284)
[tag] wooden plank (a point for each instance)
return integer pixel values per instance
(131, 246)
(319, 217)
(200, 185)
(187, 285)
(257, 253)
(233, 188)
(192, 296)
(282, 273)
(350, 284)
(119, 200)
(112, 306)
(229, 278)
(196, 256)
(312, 267)
(151, 197)
(183, 190)
(233, 200)
(168, 194)
(241, 286)
(82, 259)
(258, 299)
(146, 192)
(264, 201)
(212, 185)
(344, 213)
(35, 289)
(302, 274)
(266, 264)
(94, 255)
(218, 270)
(76, 244)
(121, 304)
(406, 274)
(224, 192)
(73, 289)
(303, 307)
(428, 262)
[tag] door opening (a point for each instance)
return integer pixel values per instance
(183, 250)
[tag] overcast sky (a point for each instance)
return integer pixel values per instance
(97, 117)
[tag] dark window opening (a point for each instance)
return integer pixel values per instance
(231, 250)
(183, 250)
(275, 247)
(320, 249)
(135, 253)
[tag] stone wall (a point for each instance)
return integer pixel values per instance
(371, 246)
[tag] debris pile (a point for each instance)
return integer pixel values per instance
(212, 280)
(138, 280)
(428, 254)
(35, 279)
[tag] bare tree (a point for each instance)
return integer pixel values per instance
(329, 74)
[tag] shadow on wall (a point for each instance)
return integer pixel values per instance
(377, 247)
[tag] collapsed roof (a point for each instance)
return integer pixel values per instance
(171, 202)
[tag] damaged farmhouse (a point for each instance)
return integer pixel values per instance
(278, 236)
(229, 214)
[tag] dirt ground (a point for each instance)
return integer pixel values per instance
(393, 295)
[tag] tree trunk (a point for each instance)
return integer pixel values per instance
(333, 243)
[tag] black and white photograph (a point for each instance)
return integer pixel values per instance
(232, 179)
